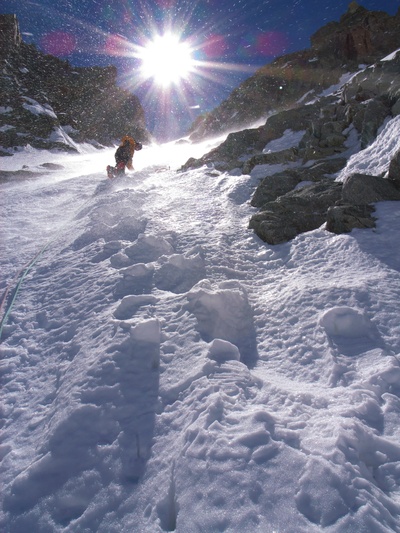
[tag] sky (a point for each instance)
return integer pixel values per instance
(163, 369)
(228, 41)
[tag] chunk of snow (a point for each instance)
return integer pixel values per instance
(6, 127)
(289, 139)
(130, 304)
(38, 109)
(345, 322)
(223, 312)
(221, 351)
(148, 331)
(139, 270)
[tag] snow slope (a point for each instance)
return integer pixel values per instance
(165, 370)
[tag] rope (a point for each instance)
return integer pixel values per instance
(21, 275)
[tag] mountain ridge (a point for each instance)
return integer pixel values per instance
(361, 36)
(47, 103)
(302, 183)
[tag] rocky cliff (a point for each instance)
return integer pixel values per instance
(360, 37)
(302, 185)
(47, 103)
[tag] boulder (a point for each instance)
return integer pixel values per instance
(344, 218)
(271, 187)
(361, 189)
(296, 212)
(375, 113)
(238, 145)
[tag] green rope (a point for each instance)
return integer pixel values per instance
(25, 272)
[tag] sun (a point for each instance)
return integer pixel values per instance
(166, 60)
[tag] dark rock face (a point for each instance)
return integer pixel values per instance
(342, 207)
(48, 103)
(10, 36)
(279, 85)
(344, 218)
(361, 36)
(365, 189)
(281, 183)
(296, 212)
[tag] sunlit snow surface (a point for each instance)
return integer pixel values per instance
(165, 370)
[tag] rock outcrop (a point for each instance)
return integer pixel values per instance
(303, 194)
(361, 36)
(296, 212)
(47, 103)
(361, 108)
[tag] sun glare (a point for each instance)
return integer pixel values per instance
(166, 60)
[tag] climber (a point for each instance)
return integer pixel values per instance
(123, 157)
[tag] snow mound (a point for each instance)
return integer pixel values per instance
(149, 248)
(179, 272)
(345, 322)
(223, 312)
(136, 279)
(130, 304)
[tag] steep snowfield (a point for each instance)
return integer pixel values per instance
(165, 370)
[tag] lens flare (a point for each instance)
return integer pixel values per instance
(215, 46)
(271, 43)
(115, 45)
(58, 43)
(166, 60)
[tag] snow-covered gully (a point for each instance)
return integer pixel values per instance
(165, 370)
